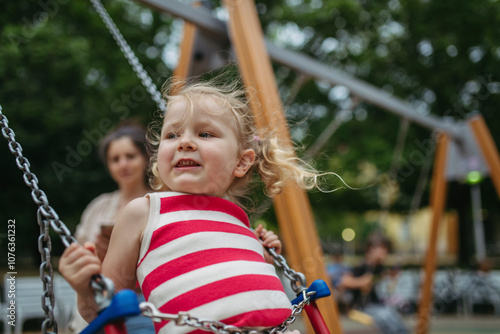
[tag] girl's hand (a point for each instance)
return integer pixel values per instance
(78, 264)
(268, 239)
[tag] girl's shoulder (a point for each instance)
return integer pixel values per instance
(135, 213)
(139, 204)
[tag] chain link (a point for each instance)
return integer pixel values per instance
(297, 279)
(146, 80)
(46, 217)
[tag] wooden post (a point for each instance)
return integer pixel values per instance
(292, 207)
(437, 200)
(487, 145)
(186, 52)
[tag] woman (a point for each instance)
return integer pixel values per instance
(125, 154)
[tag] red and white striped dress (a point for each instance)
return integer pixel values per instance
(199, 255)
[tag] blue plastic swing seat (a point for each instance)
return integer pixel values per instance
(124, 304)
(318, 289)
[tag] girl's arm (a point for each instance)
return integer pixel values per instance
(120, 263)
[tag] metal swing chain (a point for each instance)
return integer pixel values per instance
(297, 279)
(146, 80)
(46, 217)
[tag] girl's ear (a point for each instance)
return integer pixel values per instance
(246, 161)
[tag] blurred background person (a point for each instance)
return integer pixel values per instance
(367, 306)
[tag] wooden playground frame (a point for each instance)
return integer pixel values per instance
(292, 207)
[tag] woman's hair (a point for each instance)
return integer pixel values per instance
(125, 129)
(275, 160)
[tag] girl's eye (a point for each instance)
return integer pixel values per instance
(171, 135)
(205, 135)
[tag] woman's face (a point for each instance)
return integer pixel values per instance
(126, 164)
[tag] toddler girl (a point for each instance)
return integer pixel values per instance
(190, 245)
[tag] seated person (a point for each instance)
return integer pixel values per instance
(361, 282)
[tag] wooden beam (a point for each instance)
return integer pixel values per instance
(437, 200)
(488, 148)
(292, 206)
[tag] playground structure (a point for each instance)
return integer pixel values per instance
(292, 207)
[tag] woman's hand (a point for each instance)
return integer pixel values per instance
(268, 239)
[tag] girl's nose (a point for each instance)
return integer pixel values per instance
(186, 143)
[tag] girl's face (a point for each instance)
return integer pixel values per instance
(199, 153)
(126, 163)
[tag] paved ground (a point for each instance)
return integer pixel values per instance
(438, 325)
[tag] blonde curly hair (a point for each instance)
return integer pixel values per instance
(275, 160)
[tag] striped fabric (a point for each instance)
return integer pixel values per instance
(199, 255)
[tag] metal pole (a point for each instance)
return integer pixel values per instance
(477, 216)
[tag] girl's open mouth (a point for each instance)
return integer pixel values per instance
(187, 163)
